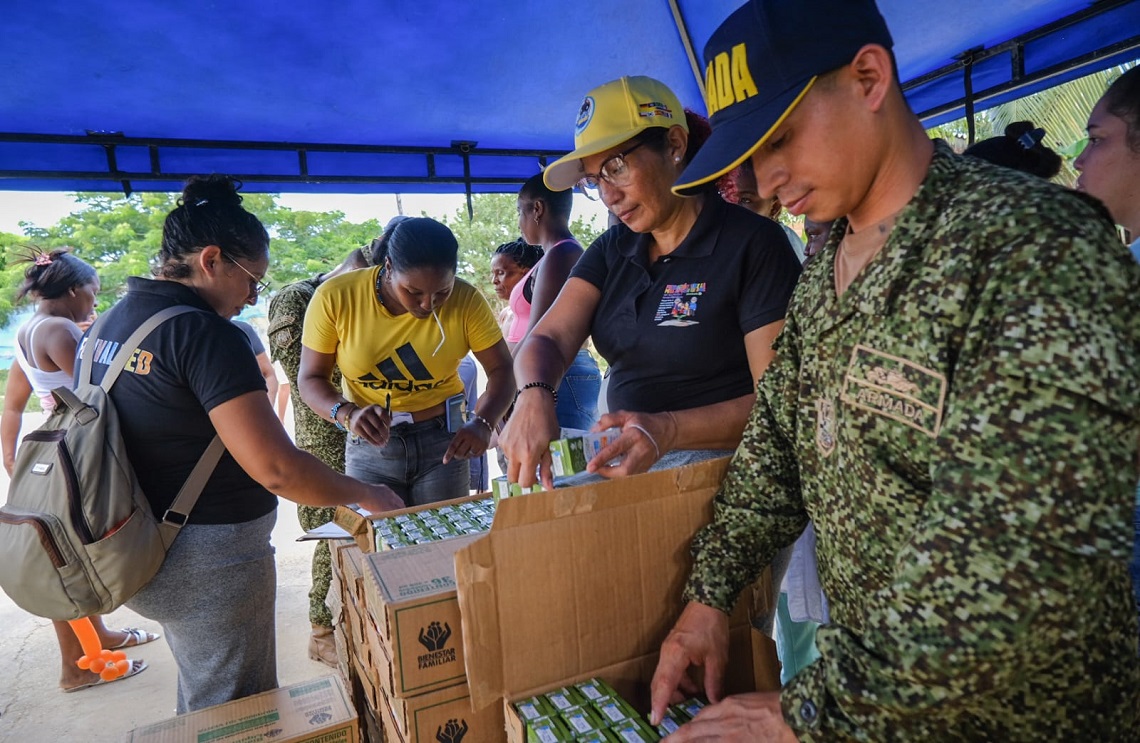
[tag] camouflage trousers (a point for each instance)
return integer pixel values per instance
(311, 518)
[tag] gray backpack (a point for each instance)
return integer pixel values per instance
(77, 535)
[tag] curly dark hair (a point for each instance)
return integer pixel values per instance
(52, 273)
(521, 252)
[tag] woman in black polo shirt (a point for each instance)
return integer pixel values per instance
(683, 298)
(195, 376)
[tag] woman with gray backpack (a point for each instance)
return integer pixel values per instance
(64, 288)
(192, 378)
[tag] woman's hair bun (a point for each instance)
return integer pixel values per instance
(215, 190)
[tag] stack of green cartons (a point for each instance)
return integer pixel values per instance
(472, 517)
(500, 489)
(592, 712)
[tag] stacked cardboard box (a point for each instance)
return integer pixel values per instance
(401, 629)
(568, 585)
(586, 583)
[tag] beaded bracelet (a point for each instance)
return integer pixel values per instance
(542, 385)
(332, 414)
(481, 419)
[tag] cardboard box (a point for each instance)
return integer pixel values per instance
(410, 593)
(586, 581)
(358, 526)
(444, 715)
(316, 711)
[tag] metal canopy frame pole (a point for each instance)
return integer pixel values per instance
(112, 144)
(687, 43)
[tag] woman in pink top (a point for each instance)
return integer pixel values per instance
(510, 264)
(544, 219)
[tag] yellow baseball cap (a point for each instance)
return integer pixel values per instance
(611, 114)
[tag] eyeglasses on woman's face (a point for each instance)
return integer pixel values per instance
(257, 286)
(614, 171)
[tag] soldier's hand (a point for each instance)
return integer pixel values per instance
(743, 717)
(698, 642)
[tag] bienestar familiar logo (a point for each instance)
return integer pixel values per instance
(434, 637)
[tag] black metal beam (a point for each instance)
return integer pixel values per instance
(110, 142)
(1097, 8)
(65, 175)
(231, 144)
(1044, 74)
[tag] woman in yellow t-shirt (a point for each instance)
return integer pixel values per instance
(398, 332)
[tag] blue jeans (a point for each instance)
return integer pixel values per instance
(411, 463)
(578, 394)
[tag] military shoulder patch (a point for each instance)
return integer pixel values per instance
(896, 388)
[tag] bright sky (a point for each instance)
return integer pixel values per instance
(44, 209)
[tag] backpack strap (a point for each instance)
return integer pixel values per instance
(179, 512)
(127, 348)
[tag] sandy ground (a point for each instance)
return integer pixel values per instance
(33, 709)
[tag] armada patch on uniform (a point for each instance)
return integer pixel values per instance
(896, 388)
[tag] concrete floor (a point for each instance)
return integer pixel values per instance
(33, 709)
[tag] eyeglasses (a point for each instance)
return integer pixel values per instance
(614, 171)
(258, 286)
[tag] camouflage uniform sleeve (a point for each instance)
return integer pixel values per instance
(758, 508)
(1018, 554)
(286, 321)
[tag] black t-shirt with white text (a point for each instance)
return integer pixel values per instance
(184, 369)
(673, 332)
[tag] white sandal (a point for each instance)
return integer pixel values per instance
(135, 636)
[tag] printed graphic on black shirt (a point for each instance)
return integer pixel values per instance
(678, 307)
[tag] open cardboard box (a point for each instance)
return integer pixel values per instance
(362, 528)
(587, 581)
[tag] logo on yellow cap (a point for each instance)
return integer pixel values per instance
(653, 108)
(585, 115)
(728, 79)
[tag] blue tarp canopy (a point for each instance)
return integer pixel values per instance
(434, 95)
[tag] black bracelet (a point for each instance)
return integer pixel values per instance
(542, 385)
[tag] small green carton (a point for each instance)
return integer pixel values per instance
(547, 730)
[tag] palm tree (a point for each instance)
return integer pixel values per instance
(1062, 111)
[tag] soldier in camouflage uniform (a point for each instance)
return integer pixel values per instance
(956, 411)
(313, 434)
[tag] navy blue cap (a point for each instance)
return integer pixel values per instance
(762, 61)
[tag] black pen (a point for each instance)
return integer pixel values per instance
(388, 404)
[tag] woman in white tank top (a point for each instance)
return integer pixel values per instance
(65, 289)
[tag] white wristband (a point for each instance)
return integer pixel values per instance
(648, 435)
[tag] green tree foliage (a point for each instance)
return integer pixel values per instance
(121, 236)
(1063, 111)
